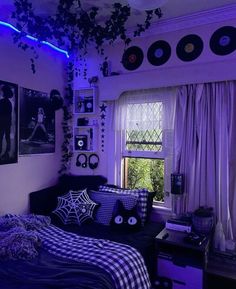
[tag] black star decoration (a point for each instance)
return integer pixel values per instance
(103, 116)
(103, 107)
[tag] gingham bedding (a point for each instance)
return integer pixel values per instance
(142, 198)
(107, 202)
(124, 263)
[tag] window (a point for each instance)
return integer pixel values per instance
(144, 131)
(145, 173)
(147, 141)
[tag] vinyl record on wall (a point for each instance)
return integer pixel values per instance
(189, 47)
(223, 40)
(132, 58)
(159, 52)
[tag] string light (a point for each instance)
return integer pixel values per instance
(2, 23)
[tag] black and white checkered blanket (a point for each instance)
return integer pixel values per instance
(122, 262)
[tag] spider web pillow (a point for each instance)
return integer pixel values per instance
(75, 207)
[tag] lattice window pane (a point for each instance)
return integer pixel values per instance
(144, 128)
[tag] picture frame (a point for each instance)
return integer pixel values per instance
(84, 138)
(37, 123)
(84, 101)
(8, 122)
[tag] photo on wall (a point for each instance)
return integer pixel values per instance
(8, 122)
(37, 123)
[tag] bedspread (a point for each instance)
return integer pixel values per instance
(52, 272)
(124, 263)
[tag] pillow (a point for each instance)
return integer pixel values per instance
(75, 207)
(142, 198)
(107, 202)
(124, 219)
(150, 199)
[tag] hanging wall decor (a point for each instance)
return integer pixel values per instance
(189, 47)
(132, 58)
(8, 122)
(159, 52)
(37, 123)
(103, 111)
(223, 40)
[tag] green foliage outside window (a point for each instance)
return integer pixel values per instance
(145, 173)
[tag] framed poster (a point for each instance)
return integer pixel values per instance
(37, 123)
(8, 122)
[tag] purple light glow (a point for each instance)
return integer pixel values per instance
(2, 23)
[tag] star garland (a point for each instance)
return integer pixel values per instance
(103, 112)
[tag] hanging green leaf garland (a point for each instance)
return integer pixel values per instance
(67, 146)
(74, 29)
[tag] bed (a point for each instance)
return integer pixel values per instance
(92, 255)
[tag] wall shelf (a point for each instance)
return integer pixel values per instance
(85, 100)
(84, 120)
(85, 139)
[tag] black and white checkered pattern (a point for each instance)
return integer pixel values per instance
(107, 202)
(142, 198)
(124, 263)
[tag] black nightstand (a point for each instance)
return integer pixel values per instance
(181, 265)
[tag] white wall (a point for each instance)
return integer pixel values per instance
(207, 68)
(36, 171)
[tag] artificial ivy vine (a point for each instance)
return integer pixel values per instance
(67, 149)
(74, 29)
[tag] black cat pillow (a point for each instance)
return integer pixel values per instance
(124, 219)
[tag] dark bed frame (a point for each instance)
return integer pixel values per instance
(43, 202)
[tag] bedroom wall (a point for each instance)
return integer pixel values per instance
(207, 67)
(36, 171)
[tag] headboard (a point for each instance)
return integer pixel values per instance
(44, 201)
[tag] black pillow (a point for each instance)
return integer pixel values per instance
(124, 219)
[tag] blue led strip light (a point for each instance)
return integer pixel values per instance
(35, 39)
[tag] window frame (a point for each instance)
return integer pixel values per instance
(163, 154)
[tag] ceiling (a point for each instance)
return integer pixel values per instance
(173, 8)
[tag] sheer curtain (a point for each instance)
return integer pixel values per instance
(204, 148)
(124, 121)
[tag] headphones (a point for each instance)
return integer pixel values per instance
(81, 160)
(93, 161)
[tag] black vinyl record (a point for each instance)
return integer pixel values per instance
(189, 47)
(132, 58)
(159, 52)
(223, 40)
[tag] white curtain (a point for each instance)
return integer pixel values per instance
(124, 121)
(204, 148)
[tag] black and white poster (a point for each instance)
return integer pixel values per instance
(8, 122)
(37, 123)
